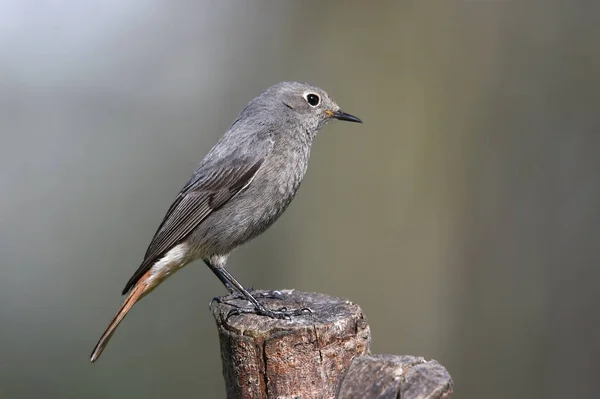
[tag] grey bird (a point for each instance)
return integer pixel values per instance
(240, 188)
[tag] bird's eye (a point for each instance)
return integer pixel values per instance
(313, 99)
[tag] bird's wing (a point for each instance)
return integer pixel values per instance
(212, 185)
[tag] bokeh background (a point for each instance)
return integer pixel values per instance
(463, 216)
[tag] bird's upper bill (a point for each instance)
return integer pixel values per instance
(339, 114)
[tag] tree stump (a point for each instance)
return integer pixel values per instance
(305, 357)
(391, 377)
(324, 354)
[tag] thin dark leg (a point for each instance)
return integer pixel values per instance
(217, 271)
(239, 287)
(233, 285)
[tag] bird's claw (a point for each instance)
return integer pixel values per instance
(275, 294)
(215, 299)
(280, 314)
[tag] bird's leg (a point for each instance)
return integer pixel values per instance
(259, 308)
(232, 291)
(274, 294)
(221, 277)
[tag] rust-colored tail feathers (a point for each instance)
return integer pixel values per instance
(134, 295)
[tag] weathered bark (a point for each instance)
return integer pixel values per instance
(324, 354)
(305, 357)
(391, 377)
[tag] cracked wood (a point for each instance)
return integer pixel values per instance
(391, 377)
(305, 357)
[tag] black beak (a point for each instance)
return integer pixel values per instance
(339, 114)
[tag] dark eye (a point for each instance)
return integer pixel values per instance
(313, 99)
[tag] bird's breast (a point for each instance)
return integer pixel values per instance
(258, 206)
(271, 191)
(279, 179)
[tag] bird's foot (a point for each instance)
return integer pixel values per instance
(257, 308)
(281, 313)
(216, 299)
(272, 294)
(234, 295)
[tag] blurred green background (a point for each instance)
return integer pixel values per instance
(463, 216)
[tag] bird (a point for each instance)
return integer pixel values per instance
(240, 188)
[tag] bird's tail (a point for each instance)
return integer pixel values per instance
(134, 295)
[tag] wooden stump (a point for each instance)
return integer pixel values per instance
(305, 357)
(391, 377)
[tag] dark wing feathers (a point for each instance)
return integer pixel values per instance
(203, 194)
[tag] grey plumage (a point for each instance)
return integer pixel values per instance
(239, 189)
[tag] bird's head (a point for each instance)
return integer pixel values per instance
(302, 104)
